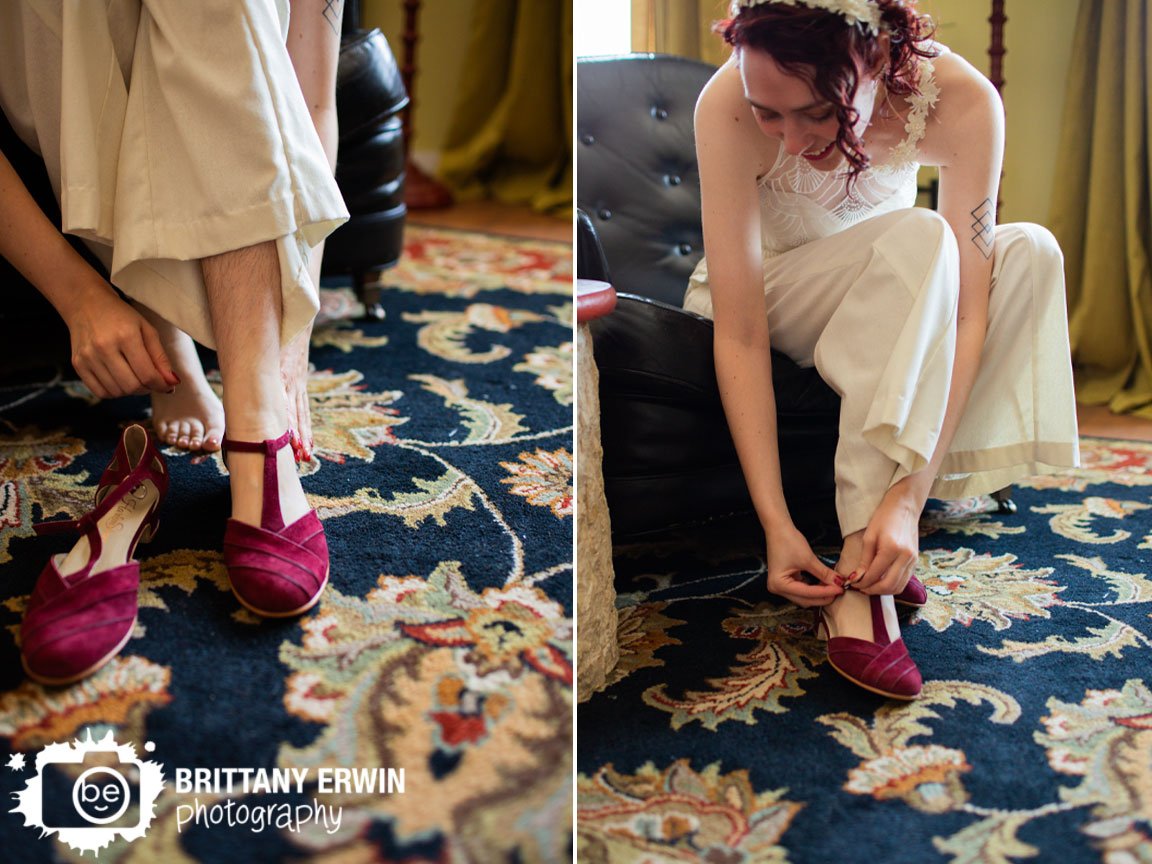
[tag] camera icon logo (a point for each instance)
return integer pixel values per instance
(91, 792)
(101, 795)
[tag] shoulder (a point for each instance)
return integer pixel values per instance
(725, 128)
(968, 111)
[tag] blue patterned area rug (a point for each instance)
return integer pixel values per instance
(440, 652)
(726, 737)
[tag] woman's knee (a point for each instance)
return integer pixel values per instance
(927, 238)
(1026, 249)
(1032, 242)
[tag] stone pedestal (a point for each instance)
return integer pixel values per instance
(596, 651)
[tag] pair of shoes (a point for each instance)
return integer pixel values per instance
(882, 665)
(83, 608)
(276, 570)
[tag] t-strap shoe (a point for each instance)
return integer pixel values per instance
(83, 608)
(882, 665)
(276, 570)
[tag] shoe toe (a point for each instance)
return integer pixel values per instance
(77, 631)
(887, 670)
(277, 574)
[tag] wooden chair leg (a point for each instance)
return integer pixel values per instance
(1004, 501)
(367, 287)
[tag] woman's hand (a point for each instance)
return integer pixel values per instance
(891, 544)
(114, 350)
(789, 556)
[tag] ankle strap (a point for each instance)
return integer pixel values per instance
(270, 514)
(269, 446)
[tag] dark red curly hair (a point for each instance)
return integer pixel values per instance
(823, 48)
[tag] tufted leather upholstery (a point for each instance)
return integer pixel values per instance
(637, 179)
(370, 95)
(669, 460)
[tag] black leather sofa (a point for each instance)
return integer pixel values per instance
(669, 462)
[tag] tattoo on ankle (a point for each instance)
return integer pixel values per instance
(332, 14)
(984, 227)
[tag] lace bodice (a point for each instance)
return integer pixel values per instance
(799, 203)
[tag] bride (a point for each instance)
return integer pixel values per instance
(944, 334)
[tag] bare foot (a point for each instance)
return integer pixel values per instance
(191, 417)
(294, 374)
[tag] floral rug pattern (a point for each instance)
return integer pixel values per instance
(725, 736)
(443, 644)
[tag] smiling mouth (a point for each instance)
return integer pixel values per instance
(821, 154)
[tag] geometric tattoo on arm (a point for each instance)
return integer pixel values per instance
(984, 227)
(332, 14)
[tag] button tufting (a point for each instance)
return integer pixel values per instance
(587, 139)
(684, 248)
(672, 179)
(604, 213)
(659, 113)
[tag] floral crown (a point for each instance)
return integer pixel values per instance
(865, 12)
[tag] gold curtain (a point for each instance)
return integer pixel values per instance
(511, 132)
(681, 27)
(1100, 206)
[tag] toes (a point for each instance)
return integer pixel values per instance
(185, 434)
(213, 435)
(195, 434)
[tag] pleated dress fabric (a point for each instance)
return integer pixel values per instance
(865, 287)
(172, 131)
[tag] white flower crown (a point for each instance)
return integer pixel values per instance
(864, 12)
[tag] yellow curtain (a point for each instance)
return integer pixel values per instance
(681, 27)
(511, 133)
(1100, 206)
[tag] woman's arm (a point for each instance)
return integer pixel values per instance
(115, 351)
(729, 150)
(967, 143)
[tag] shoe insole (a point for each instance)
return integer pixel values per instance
(118, 528)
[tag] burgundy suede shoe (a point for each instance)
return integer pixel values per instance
(882, 666)
(83, 607)
(276, 570)
(914, 595)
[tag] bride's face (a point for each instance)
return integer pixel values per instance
(788, 109)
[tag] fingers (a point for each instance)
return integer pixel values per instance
(894, 580)
(823, 572)
(123, 360)
(792, 588)
(107, 377)
(149, 361)
(888, 572)
(803, 594)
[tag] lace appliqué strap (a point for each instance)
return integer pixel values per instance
(904, 154)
